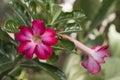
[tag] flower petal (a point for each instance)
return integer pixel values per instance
(49, 32)
(49, 41)
(91, 65)
(104, 50)
(43, 51)
(48, 37)
(38, 27)
(100, 53)
(29, 52)
(24, 34)
(27, 47)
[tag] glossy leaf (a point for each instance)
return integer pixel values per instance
(20, 10)
(7, 55)
(70, 28)
(66, 44)
(44, 8)
(56, 73)
(55, 11)
(16, 71)
(5, 37)
(76, 15)
(11, 26)
(33, 9)
(5, 63)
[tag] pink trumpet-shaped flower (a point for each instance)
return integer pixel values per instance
(36, 39)
(95, 56)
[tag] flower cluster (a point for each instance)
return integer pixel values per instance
(36, 39)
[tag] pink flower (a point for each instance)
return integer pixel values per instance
(36, 39)
(95, 56)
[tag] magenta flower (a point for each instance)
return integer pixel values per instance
(95, 56)
(36, 39)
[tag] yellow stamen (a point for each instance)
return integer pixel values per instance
(36, 39)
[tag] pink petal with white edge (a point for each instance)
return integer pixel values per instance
(29, 52)
(100, 53)
(49, 32)
(27, 45)
(91, 65)
(49, 41)
(24, 34)
(104, 50)
(38, 27)
(48, 37)
(43, 51)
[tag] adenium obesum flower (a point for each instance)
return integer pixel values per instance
(95, 56)
(36, 39)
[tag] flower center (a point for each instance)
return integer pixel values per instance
(36, 39)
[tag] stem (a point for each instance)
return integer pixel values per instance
(79, 45)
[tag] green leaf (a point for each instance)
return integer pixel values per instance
(8, 48)
(5, 64)
(21, 12)
(66, 44)
(7, 55)
(55, 11)
(114, 41)
(97, 41)
(44, 6)
(49, 1)
(53, 1)
(11, 26)
(33, 9)
(100, 16)
(89, 10)
(70, 28)
(30, 7)
(5, 37)
(53, 58)
(15, 72)
(76, 15)
(7, 78)
(56, 73)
